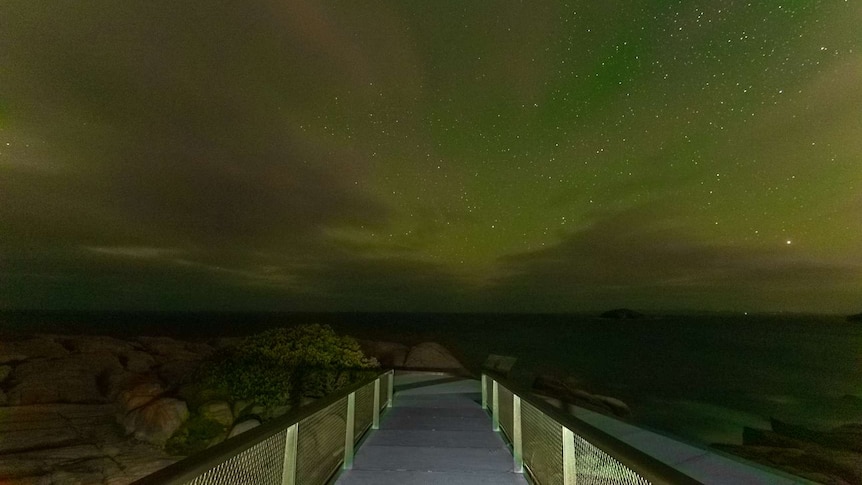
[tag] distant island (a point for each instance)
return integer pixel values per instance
(622, 314)
(855, 318)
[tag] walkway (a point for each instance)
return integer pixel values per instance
(436, 433)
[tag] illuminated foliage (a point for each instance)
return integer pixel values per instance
(283, 365)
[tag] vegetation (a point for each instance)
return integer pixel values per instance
(280, 366)
(196, 434)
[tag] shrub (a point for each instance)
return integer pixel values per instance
(282, 365)
(194, 435)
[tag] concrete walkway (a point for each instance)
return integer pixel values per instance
(436, 432)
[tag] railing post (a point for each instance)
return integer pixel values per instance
(495, 402)
(517, 445)
(391, 389)
(375, 419)
(484, 391)
(570, 471)
(288, 470)
(348, 432)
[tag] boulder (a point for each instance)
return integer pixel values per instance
(47, 426)
(162, 345)
(157, 421)
(616, 406)
(389, 354)
(847, 437)
(175, 372)
(39, 347)
(97, 344)
(199, 348)
(762, 437)
(137, 361)
(431, 355)
(166, 349)
(218, 411)
(139, 395)
(809, 461)
(116, 382)
(243, 426)
(51, 435)
(73, 379)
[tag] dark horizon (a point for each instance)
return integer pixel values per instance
(412, 157)
(658, 314)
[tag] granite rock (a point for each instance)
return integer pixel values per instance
(431, 355)
(243, 426)
(37, 347)
(139, 395)
(157, 421)
(389, 354)
(74, 379)
(218, 411)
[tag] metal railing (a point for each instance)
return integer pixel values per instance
(556, 448)
(308, 445)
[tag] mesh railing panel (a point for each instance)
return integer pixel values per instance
(364, 413)
(542, 445)
(320, 444)
(506, 422)
(260, 464)
(595, 467)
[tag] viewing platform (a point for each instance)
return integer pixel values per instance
(434, 428)
(435, 433)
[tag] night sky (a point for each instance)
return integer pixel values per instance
(431, 155)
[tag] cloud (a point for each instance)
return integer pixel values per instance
(390, 284)
(636, 258)
(162, 138)
(136, 251)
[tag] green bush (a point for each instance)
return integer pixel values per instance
(282, 365)
(194, 435)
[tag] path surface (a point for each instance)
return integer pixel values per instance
(436, 432)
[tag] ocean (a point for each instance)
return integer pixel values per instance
(699, 378)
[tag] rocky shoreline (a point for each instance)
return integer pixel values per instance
(99, 409)
(831, 457)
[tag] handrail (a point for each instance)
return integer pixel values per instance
(630, 457)
(195, 465)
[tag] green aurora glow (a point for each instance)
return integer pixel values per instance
(413, 156)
